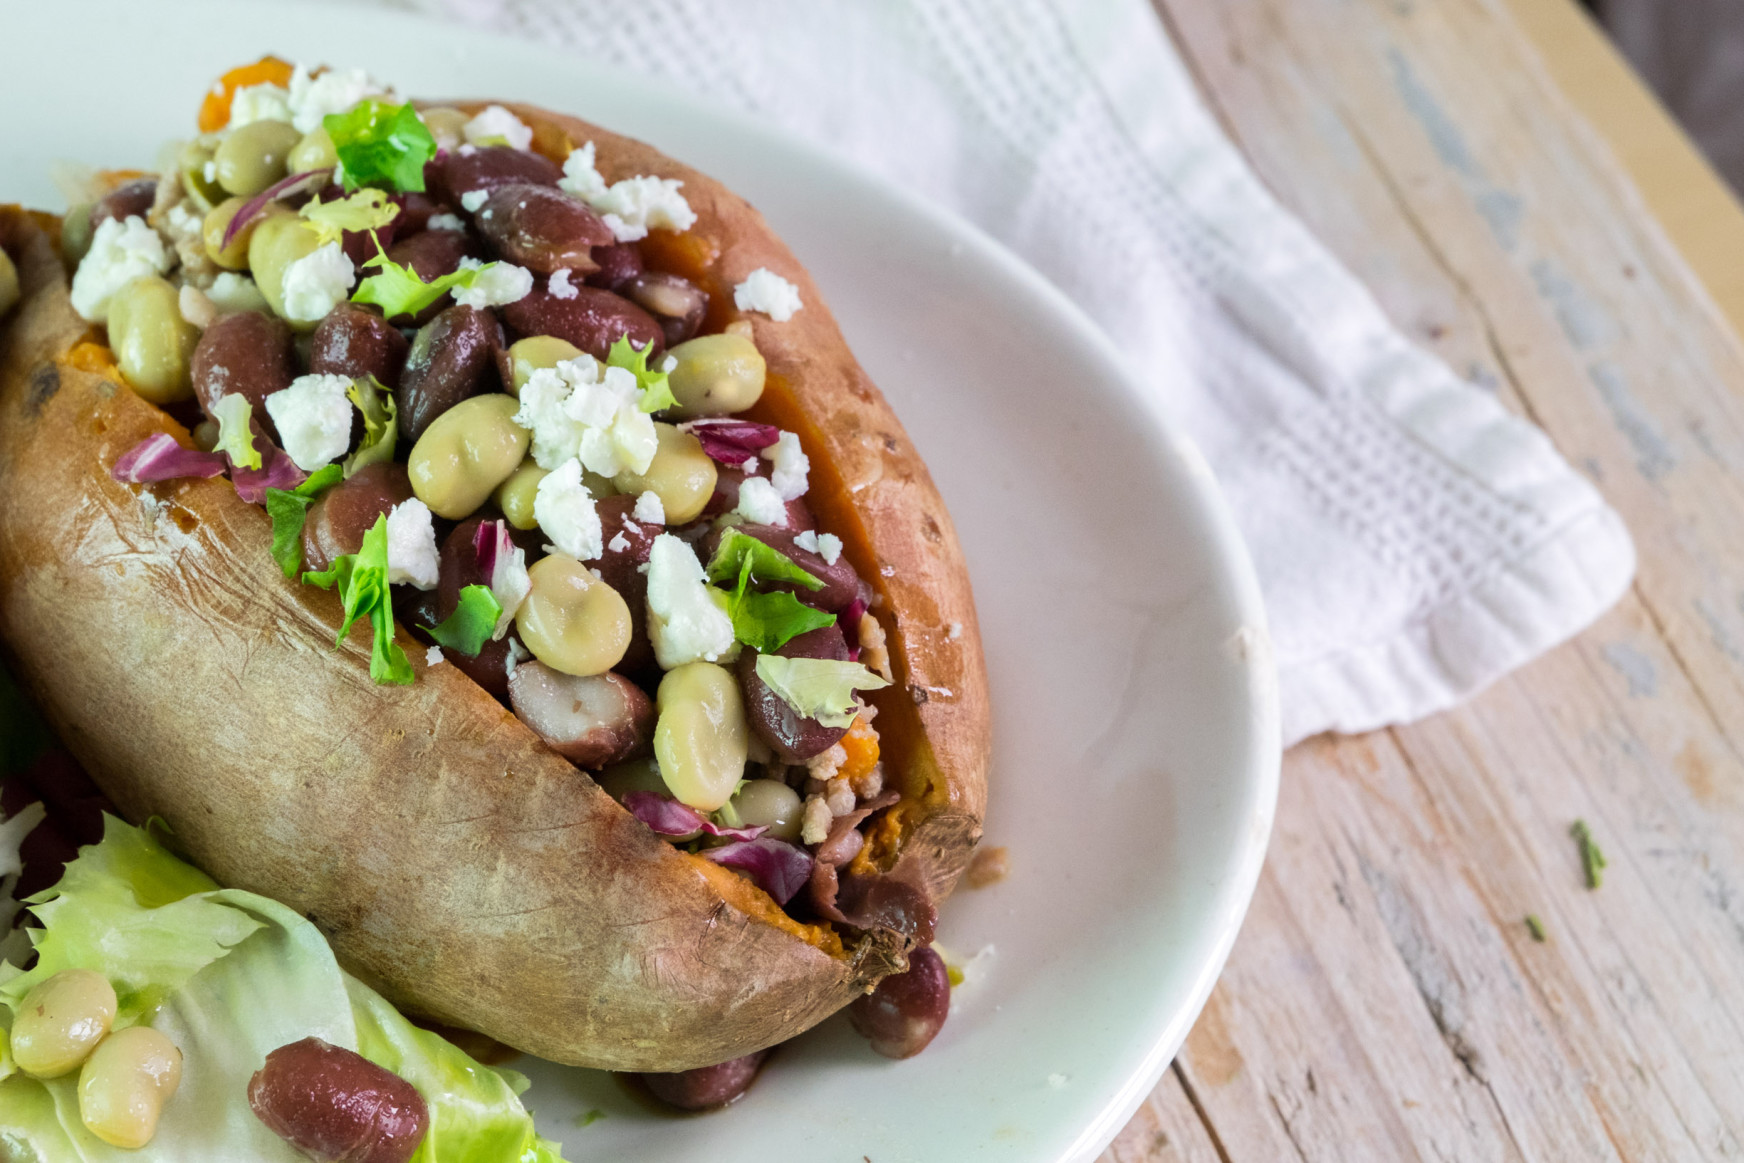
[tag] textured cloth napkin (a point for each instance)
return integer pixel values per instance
(1414, 541)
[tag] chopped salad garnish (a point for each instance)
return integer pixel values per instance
(819, 688)
(380, 144)
(471, 625)
(362, 578)
(1592, 860)
(380, 429)
(289, 509)
(655, 384)
(764, 621)
(366, 210)
(160, 457)
(399, 290)
(235, 416)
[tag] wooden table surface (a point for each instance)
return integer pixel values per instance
(1519, 204)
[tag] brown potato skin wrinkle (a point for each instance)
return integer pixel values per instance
(454, 861)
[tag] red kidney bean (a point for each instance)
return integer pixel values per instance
(415, 213)
(465, 170)
(792, 737)
(618, 264)
(355, 341)
(432, 253)
(676, 302)
(907, 1010)
(341, 516)
(591, 721)
(125, 201)
(617, 567)
(593, 320)
(453, 358)
(248, 353)
(706, 1087)
(841, 583)
(540, 228)
(336, 1106)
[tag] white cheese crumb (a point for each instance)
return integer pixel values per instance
(559, 286)
(806, 539)
(498, 123)
(497, 285)
(253, 103)
(182, 223)
(751, 466)
(953, 631)
(814, 823)
(232, 293)
(829, 548)
(687, 617)
(317, 283)
(791, 466)
(473, 199)
(335, 91)
(313, 417)
(669, 364)
(764, 290)
(760, 504)
(445, 222)
(618, 544)
(196, 308)
(433, 656)
(824, 765)
(631, 207)
(566, 512)
(581, 408)
(412, 555)
(121, 251)
(649, 509)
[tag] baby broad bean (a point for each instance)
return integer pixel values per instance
(571, 620)
(61, 1021)
(465, 453)
(278, 241)
(234, 255)
(125, 1084)
(153, 343)
(515, 496)
(446, 124)
(314, 152)
(527, 356)
(771, 804)
(253, 156)
(700, 738)
(681, 475)
(717, 375)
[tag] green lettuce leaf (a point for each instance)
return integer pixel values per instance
(764, 622)
(235, 435)
(656, 385)
(380, 429)
(362, 578)
(767, 563)
(380, 144)
(398, 290)
(289, 508)
(365, 210)
(818, 688)
(471, 625)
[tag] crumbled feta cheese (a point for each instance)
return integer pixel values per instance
(317, 283)
(498, 124)
(181, 222)
(824, 765)
(121, 251)
(868, 784)
(209, 171)
(445, 222)
(253, 103)
(760, 504)
(814, 822)
(335, 91)
(509, 584)
(412, 555)
(559, 286)
(751, 466)
(954, 631)
(631, 207)
(313, 417)
(669, 364)
(790, 466)
(232, 293)
(498, 284)
(433, 656)
(565, 511)
(829, 548)
(687, 617)
(618, 544)
(764, 290)
(473, 199)
(581, 408)
(196, 308)
(649, 509)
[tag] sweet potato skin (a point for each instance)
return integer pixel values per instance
(454, 862)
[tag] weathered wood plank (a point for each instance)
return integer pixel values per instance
(1385, 1000)
(1166, 1129)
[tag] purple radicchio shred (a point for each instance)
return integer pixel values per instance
(160, 458)
(490, 541)
(733, 441)
(671, 818)
(277, 192)
(779, 868)
(849, 621)
(277, 471)
(878, 900)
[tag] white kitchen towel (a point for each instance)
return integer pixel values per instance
(1414, 540)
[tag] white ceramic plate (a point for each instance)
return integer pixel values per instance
(1136, 757)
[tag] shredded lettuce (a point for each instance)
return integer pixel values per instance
(471, 625)
(656, 385)
(268, 978)
(362, 578)
(398, 290)
(380, 431)
(235, 432)
(289, 508)
(767, 563)
(764, 621)
(367, 209)
(818, 688)
(381, 144)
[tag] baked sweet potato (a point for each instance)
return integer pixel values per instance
(470, 873)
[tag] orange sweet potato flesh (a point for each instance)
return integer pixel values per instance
(454, 862)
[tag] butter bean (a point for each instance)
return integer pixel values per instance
(465, 453)
(700, 739)
(717, 375)
(153, 344)
(681, 475)
(253, 156)
(61, 1021)
(571, 620)
(125, 1084)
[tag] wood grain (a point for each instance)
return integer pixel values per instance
(1385, 1000)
